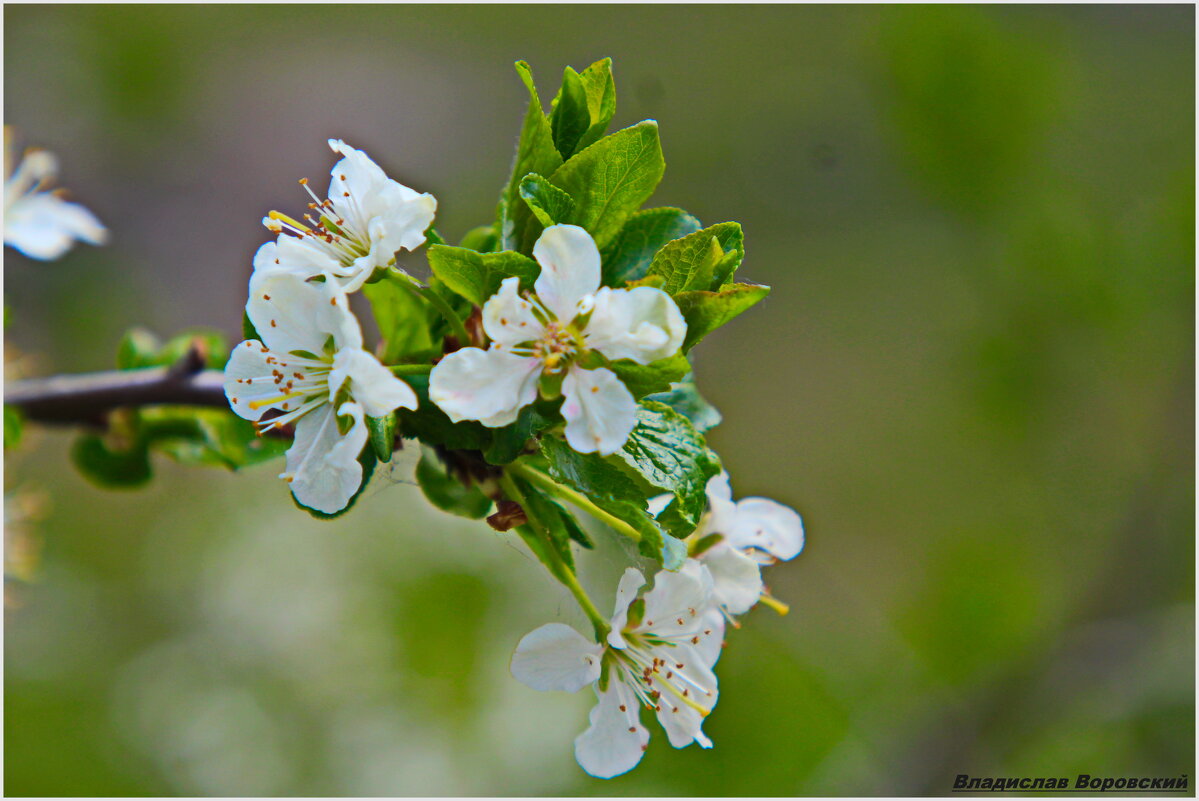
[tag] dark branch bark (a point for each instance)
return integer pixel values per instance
(87, 398)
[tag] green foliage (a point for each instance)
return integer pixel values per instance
(583, 108)
(707, 311)
(404, 320)
(509, 442)
(611, 179)
(549, 204)
(550, 526)
(644, 379)
(609, 486)
(141, 348)
(704, 260)
(448, 493)
(477, 276)
(628, 256)
(535, 152)
(382, 435)
(14, 423)
(683, 396)
(667, 453)
(431, 426)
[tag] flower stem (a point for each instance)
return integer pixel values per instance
(558, 568)
(534, 476)
(410, 369)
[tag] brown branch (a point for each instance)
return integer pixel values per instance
(88, 397)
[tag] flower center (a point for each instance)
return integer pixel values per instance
(302, 384)
(557, 347)
(342, 240)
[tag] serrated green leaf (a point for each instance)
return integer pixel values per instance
(14, 425)
(685, 399)
(447, 493)
(605, 482)
(611, 179)
(570, 118)
(547, 515)
(692, 262)
(628, 256)
(477, 276)
(666, 451)
(549, 204)
(644, 379)
(535, 152)
(367, 460)
(403, 320)
(431, 426)
(382, 432)
(707, 311)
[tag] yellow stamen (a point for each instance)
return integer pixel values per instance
(278, 215)
(685, 699)
(258, 404)
(774, 603)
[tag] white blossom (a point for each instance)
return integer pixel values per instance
(311, 368)
(550, 334)
(658, 655)
(38, 221)
(365, 220)
(738, 538)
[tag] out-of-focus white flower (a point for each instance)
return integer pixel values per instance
(311, 368)
(659, 654)
(38, 221)
(549, 334)
(366, 219)
(736, 538)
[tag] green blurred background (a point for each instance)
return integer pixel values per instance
(974, 378)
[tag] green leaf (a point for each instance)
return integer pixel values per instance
(601, 100)
(611, 179)
(482, 239)
(139, 347)
(549, 204)
(545, 513)
(707, 311)
(685, 399)
(703, 260)
(14, 424)
(628, 256)
(446, 492)
(644, 379)
(508, 442)
(570, 117)
(605, 482)
(431, 426)
(116, 468)
(367, 460)
(217, 437)
(403, 320)
(477, 276)
(248, 331)
(535, 152)
(667, 452)
(382, 435)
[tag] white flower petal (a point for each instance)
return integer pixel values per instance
(682, 722)
(678, 600)
(322, 465)
(642, 324)
(508, 318)
(718, 487)
(371, 384)
(44, 226)
(615, 740)
(630, 582)
(657, 504)
(599, 410)
(737, 579)
(291, 314)
(765, 525)
(250, 380)
(294, 255)
(393, 215)
(570, 269)
(490, 386)
(556, 657)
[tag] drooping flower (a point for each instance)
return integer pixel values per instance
(735, 539)
(658, 655)
(38, 221)
(366, 219)
(310, 368)
(546, 337)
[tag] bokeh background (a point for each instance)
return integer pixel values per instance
(974, 378)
